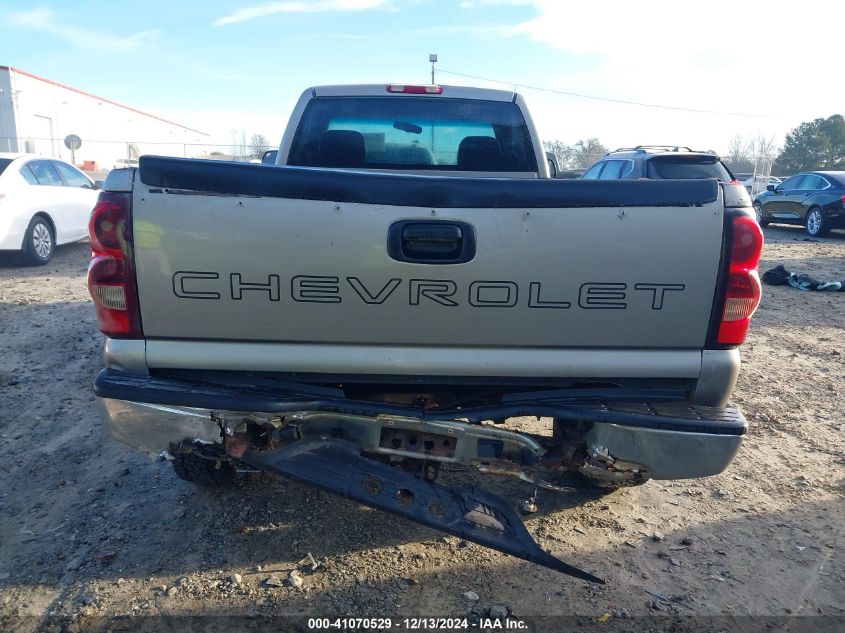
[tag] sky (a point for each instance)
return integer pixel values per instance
(706, 71)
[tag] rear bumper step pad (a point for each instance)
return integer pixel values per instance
(468, 513)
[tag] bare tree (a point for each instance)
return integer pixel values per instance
(745, 153)
(239, 146)
(562, 152)
(258, 144)
(585, 153)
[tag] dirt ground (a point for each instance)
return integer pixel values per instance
(96, 536)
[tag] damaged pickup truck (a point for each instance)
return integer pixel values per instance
(403, 281)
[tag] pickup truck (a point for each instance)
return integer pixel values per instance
(403, 281)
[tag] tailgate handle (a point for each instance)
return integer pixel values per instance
(431, 241)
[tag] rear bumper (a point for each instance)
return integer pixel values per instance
(666, 440)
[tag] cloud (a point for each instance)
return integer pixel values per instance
(254, 11)
(480, 30)
(43, 19)
(672, 32)
(472, 4)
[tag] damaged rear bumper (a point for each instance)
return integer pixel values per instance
(352, 448)
(661, 440)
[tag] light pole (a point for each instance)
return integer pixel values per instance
(432, 57)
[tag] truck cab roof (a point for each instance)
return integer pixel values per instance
(405, 90)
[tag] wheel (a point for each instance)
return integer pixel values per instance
(758, 211)
(202, 466)
(39, 242)
(815, 223)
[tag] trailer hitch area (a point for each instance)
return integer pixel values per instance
(469, 513)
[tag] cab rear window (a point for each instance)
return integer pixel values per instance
(688, 167)
(4, 162)
(415, 133)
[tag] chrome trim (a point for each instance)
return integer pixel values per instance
(127, 355)
(663, 454)
(719, 372)
(154, 428)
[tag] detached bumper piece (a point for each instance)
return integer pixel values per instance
(468, 513)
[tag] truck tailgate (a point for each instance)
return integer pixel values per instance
(253, 253)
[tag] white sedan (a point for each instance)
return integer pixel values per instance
(749, 183)
(44, 202)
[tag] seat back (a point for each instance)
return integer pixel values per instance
(479, 153)
(342, 148)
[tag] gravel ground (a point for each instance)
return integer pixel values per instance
(94, 536)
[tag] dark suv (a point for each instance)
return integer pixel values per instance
(658, 162)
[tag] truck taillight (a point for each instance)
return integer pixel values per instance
(743, 288)
(111, 279)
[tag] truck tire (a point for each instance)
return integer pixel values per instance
(202, 467)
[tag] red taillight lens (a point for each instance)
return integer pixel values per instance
(743, 289)
(111, 280)
(415, 90)
(747, 242)
(110, 226)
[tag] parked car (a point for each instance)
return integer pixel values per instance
(123, 163)
(658, 162)
(814, 199)
(44, 202)
(748, 183)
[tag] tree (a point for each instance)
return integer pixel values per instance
(738, 157)
(745, 155)
(585, 153)
(258, 145)
(818, 144)
(562, 152)
(578, 156)
(239, 145)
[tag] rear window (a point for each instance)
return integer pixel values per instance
(4, 162)
(415, 133)
(688, 167)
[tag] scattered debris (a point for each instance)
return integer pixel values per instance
(471, 596)
(658, 536)
(528, 506)
(603, 618)
(498, 612)
(274, 581)
(309, 563)
(295, 579)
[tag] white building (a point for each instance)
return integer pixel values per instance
(37, 114)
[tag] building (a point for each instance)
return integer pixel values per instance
(37, 114)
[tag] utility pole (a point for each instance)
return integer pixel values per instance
(432, 57)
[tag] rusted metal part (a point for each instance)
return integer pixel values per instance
(428, 444)
(506, 469)
(437, 440)
(601, 466)
(469, 513)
